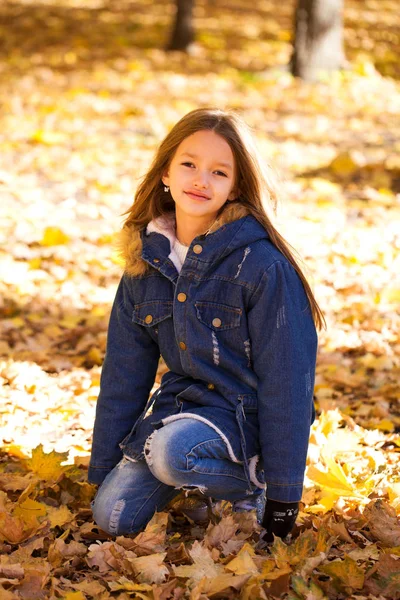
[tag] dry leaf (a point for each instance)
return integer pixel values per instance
(46, 466)
(346, 572)
(383, 523)
(150, 569)
(221, 533)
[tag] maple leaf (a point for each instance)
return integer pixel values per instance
(383, 522)
(296, 553)
(59, 551)
(46, 466)
(243, 562)
(151, 540)
(29, 510)
(346, 573)
(59, 516)
(150, 569)
(14, 529)
(223, 532)
(203, 565)
(107, 556)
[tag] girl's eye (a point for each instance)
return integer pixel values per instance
(189, 164)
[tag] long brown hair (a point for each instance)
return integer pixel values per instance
(255, 183)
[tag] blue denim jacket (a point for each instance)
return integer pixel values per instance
(234, 328)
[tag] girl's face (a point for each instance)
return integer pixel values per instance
(201, 176)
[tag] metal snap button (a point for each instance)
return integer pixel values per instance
(197, 249)
(181, 297)
(210, 386)
(182, 345)
(217, 322)
(148, 318)
(156, 260)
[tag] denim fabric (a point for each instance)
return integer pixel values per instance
(236, 332)
(184, 454)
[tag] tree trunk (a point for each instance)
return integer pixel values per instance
(318, 43)
(183, 32)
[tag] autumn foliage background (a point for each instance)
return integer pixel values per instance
(87, 93)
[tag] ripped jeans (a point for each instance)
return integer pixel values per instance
(184, 454)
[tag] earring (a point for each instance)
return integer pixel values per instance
(166, 188)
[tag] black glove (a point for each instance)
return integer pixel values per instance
(279, 518)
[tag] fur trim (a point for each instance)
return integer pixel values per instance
(130, 243)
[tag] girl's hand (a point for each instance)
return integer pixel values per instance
(279, 518)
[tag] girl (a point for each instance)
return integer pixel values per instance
(211, 285)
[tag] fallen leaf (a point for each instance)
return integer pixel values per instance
(383, 523)
(46, 466)
(346, 572)
(150, 569)
(221, 533)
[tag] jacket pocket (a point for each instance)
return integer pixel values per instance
(218, 317)
(152, 312)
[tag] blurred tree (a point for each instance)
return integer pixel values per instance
(318, 39)
(183, 31)
(318, 36)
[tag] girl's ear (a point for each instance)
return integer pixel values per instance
(235, 193)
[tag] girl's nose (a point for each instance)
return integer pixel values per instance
(201, 180)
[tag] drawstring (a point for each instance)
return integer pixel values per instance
(240, 418)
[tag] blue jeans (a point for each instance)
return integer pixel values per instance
(184, 454)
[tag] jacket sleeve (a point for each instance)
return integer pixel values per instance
(284, 346)
(128, 374)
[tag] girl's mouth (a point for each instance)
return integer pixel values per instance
(196, 196)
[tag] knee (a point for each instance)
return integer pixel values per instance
(164, 455)
(107, 514)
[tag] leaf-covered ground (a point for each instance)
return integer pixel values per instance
(87, 93)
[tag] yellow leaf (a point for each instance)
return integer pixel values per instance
(70, 321)
(59, 516)
(390, 295)
(385, 425)
(324, 186)
(326, 504)
(334, 479)
(297, 552)
(224, 581)
(73, 596)
(94, 356)
(29, 511)
(47, 466)
(346, 572)
(343, 164)
(242, 564)
(49, 138)
(14, 450)
(53, 236)
(52, 331)
(35, 263)
(18, 322)
(126, 584)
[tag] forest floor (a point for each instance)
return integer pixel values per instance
(87, 94)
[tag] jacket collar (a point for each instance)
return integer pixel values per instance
(136, 245)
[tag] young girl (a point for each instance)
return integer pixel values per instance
(211, 286)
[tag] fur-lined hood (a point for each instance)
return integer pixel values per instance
(130, 242)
